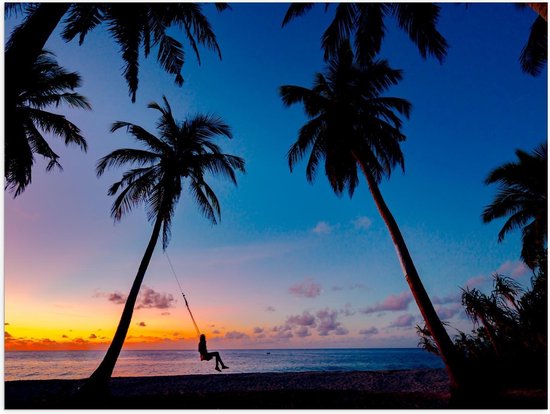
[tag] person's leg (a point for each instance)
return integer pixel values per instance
(219, 358)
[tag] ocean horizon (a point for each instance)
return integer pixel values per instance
(43, 365)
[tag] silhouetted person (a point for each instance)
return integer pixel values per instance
(207, 356)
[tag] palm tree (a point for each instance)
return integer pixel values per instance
(351, 125)
(522, 197)
(132, 26)
(47, 84)
(183, 154)
(365, 21)
(535, 53)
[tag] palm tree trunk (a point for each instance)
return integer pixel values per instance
(441, 337)
(28, 40)
(99, 380)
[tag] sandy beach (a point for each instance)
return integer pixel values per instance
(373, 389)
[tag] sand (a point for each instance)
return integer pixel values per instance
(314, 390)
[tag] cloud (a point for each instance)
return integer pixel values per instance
(327, 323)
(92, 336)
(513, 269)
(7, 334)
(305, 319)
(371, 331)
(165, 313)
(282, 332)
(64, 336)
(142, 324)
(257, 330)
(391, 303)
(118, 298)
(449, 311)
(475, 281)
(6, 323)
(305, 289)
(302, 332)
(402, 321)
(322, 228)
(452, 298)
(216, 331)
(347, 310)
(235, 335)
(148, 298)
(270, 309)
(362, 223)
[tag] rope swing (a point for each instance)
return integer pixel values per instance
(183, 294)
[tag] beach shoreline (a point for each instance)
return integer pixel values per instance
(420, 388)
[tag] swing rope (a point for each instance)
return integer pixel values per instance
(183, 294)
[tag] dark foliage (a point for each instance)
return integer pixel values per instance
(508, 346)
(47, 85)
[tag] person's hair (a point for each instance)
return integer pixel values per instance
(203, 337)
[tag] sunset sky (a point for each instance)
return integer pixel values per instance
(291, 265)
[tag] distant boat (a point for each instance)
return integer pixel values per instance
(268, 353)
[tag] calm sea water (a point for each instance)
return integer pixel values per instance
(25, 365)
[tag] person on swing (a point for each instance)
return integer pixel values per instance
(207, 356)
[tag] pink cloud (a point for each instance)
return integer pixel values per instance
(305, 289)
(305, 319)
(362, 223)
(302, 332)
(449, 311)
(513, 269)
(452, 298)
(370, 331)
(282, 332)
(475, 281)
(391, 303)
(403, 321)
(328, 323)
(322, 228)
(148, 298)
(235, 335)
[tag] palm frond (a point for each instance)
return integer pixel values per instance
(339, 29)
(419, 21)
(171, 57)
(123, 156)
(534, 55)
(140, 134)
(206, 126)
(124, 26)
(296, 10)
(205, 199)
(221, 164)
(57, 125)
(81, 19)
(370, 31)
(307, 137)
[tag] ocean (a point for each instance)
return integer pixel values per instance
(34, 365)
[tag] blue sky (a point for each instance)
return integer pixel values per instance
(291, 264)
